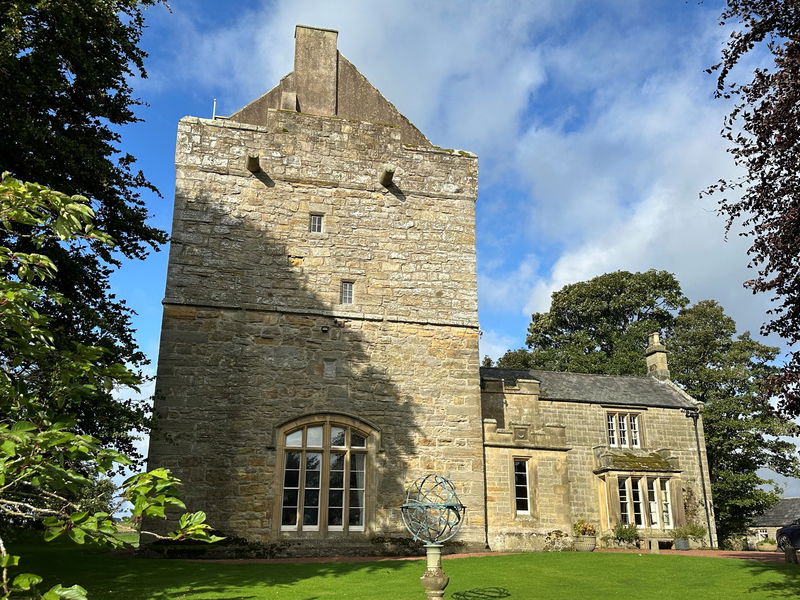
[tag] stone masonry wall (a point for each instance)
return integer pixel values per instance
(409, 249)
(254, 334)
(228, 378)
(661, 428)
(558, 439)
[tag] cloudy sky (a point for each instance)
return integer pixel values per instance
(594, 121)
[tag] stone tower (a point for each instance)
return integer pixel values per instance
(319, 346)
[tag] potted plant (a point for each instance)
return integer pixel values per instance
(683, 534)
(627, 535)
(585, 536)
(767, 545)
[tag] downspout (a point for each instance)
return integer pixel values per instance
(485, 489)
(694, 415)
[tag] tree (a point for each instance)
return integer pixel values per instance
(601, 326)
(43, 462)
(763, 129)
(64, 86)
(743, 431)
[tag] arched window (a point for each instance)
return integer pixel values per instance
(324, 463)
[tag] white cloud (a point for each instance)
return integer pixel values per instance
(494, 345)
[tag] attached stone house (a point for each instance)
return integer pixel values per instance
(319, 345)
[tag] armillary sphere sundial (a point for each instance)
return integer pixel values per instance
(433, 513)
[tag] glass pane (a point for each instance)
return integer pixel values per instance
(521, 491)
(311, 498)
(337, 461)
(338, 436)
(310, 516)
(313, 461)
(335, 517)
(312, 479)
(291, 479)
(522, 504)
(295, 438)
(520, 479)
(356, 498)
(289, 498)
(314, 437)
(612, 431)
(356, 517)
(336, 498)
(356, 479)
(357, 440)
(289, 516)
(293, 460)
(337, 479)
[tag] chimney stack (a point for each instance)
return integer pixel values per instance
(656, 356)
(316, 70)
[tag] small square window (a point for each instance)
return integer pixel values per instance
(346, 293)
(315, 223)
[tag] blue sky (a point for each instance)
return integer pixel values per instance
(594, 122)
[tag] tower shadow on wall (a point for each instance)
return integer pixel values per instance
(237, 362)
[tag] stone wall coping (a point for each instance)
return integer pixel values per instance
(354, 316)
(229, 124)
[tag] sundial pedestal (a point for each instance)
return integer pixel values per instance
(434, 580)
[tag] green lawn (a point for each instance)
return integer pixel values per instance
(546, 576)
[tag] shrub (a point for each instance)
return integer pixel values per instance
(626, 533)
(581, 527)
(689, 532)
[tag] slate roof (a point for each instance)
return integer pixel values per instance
(596, 389)
(783, 513)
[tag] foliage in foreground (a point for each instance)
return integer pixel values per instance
(763, 130)
(45, 467)
(601, 326)
(66, 69)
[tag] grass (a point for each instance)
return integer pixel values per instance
(546, 576)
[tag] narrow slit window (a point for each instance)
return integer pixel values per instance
(652, 501)
(636, 497)
(623, 502)
(346, 293)
(521, 491)
(315, 223)
(634, 424)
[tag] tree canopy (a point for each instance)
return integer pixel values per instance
(65, 69)
(43, 462)
(601, 326)
(763, 129)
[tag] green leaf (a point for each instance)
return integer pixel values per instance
(23, 426)
(8, 448)
(9, 560)
(59, 592)
(77, 535)
(25, 581)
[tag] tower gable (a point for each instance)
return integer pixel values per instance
(325, 83)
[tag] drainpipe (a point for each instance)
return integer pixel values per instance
(694, 415)
(485, 490)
